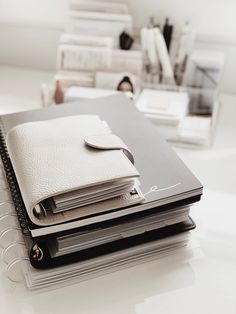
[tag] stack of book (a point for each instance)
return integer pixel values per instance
(94, 188)
(91, 47)
(75, 93)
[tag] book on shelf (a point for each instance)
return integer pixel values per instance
(83, 58)
(102, 7)
(100, 16)
(76, 93)
(73, 78)
(103, 28)
(86, 40)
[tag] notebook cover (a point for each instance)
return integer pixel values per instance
(155, 235)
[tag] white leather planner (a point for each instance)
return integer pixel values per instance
(71, 167)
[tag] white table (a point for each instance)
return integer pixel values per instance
(202, 279)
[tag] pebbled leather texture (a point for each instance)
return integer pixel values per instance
(51, 157)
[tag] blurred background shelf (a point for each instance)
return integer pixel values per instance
(207, 163)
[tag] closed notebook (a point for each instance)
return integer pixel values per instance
(70, 167)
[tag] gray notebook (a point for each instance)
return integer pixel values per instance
(164, 178)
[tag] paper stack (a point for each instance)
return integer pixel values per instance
(165, 109)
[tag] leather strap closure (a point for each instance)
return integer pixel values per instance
(108, 142)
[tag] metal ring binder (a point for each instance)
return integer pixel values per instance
(4, 189)
(8, 248)
(6, 208)
(7, 215)
(6, 202)
(2, 173)
(37, 252)
(2, 217)
(12, 264)
(3, 182)
(6, 233)
(8, 226)
(5, 195)
(11, 235)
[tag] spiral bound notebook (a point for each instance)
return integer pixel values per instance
(104, 259)
(151, 245)
(77, 243)
(164, 177)
(172, 188)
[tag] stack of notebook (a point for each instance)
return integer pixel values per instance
(95, 44)
(94, 188)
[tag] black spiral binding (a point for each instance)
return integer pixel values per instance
(12, 182)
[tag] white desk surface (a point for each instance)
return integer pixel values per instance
(201, 280)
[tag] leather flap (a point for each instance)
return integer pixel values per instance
(108, 142)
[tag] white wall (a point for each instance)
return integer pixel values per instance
(29, 29)
(208, 17)
(32, 12)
